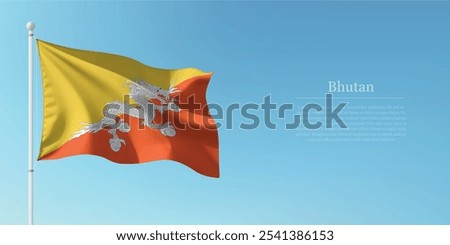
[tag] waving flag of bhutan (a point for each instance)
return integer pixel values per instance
(120, 109)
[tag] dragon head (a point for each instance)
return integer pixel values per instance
(150, 91)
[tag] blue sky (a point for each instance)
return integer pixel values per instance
(283, 49)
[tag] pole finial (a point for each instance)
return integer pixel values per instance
(30, 26)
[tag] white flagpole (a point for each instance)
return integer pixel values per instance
(30, 27)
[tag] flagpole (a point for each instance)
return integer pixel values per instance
(30, 27)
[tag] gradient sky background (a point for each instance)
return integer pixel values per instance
(286, 49)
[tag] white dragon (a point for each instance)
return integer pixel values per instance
(143, 93)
